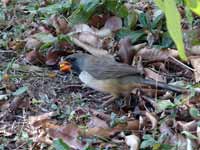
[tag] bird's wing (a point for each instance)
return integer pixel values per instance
(103, 68)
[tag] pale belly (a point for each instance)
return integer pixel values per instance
(99, 85)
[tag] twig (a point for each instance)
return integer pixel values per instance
(182, 63)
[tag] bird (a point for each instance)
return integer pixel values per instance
(106, 75)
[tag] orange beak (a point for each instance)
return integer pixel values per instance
(65, 66)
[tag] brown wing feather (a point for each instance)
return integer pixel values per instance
(104, 68)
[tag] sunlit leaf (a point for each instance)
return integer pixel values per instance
(163, 105)
(194, 5)
(174, 26)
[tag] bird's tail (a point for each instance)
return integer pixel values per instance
(164, 86)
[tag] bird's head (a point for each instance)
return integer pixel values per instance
(73, 62)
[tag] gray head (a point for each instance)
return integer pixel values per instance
(77, 61)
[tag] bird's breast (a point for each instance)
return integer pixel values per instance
(100, 85)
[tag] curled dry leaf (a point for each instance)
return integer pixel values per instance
(59, 23)
(108, 132)
(178, 138)
(125, 50)
(114, 23)
(133, 141)
(94, 51)
(98, 21)
(69, 134)
(187, 126)
(96, 122)
(82, 28)
(53, 57)
(38, 121)
(195, 61)
(32, 43)
(153, 120)
(34, 57)
(90, 38)
(154, 54)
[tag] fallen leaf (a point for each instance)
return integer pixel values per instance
(94, 51)
(187, 126)
(153, 120)
(125, 50)
(90, 38)
(40, 120)
(32, 43)
(59, 23)
(195, 61)
(96, 122)
(108, 132)
(69, 134)
(98, 21)
(153, 75)
(154, 54)
(53, 57)
(114, 23)
(34, 57)
(82, 28)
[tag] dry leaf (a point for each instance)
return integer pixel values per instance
(69, 134)
(195, 61)
(35, 58)
(53, 57)
(96, 122)
(153, 75)
(153, 120)
(59, 23)
(125, 50)
(90, 38)
(114, 23)
(32, 43)
(154, 54)
(40, 120)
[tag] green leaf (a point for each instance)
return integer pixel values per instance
(174, 26)
(134, 35)
(166, 41)
(45, 37)
(116, 8)
(20, 91)
(160, 4)
(165, 104)
(148, 141)
(2, 15)
(131, 20)
(60, 145)
(189, 15)
(83, 12)
(144, 20)
(194, 112)
(157, 20)
(55, 8)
